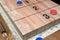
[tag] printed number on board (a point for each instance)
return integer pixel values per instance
(35, 7)
(46, 16)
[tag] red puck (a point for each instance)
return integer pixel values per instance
(53, 11)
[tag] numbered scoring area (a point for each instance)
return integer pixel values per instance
(11, 5)
(31, 15)
(37, 21)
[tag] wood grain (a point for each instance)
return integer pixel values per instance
(9, 34)
(27, 19)
(54, 36)
(1, 37)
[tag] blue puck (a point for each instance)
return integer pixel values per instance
(19, 2)
(39, 38)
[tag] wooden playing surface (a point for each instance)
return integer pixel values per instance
(27, 18)
(54, 36)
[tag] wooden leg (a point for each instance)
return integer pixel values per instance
(5, 30)
(1, 37)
